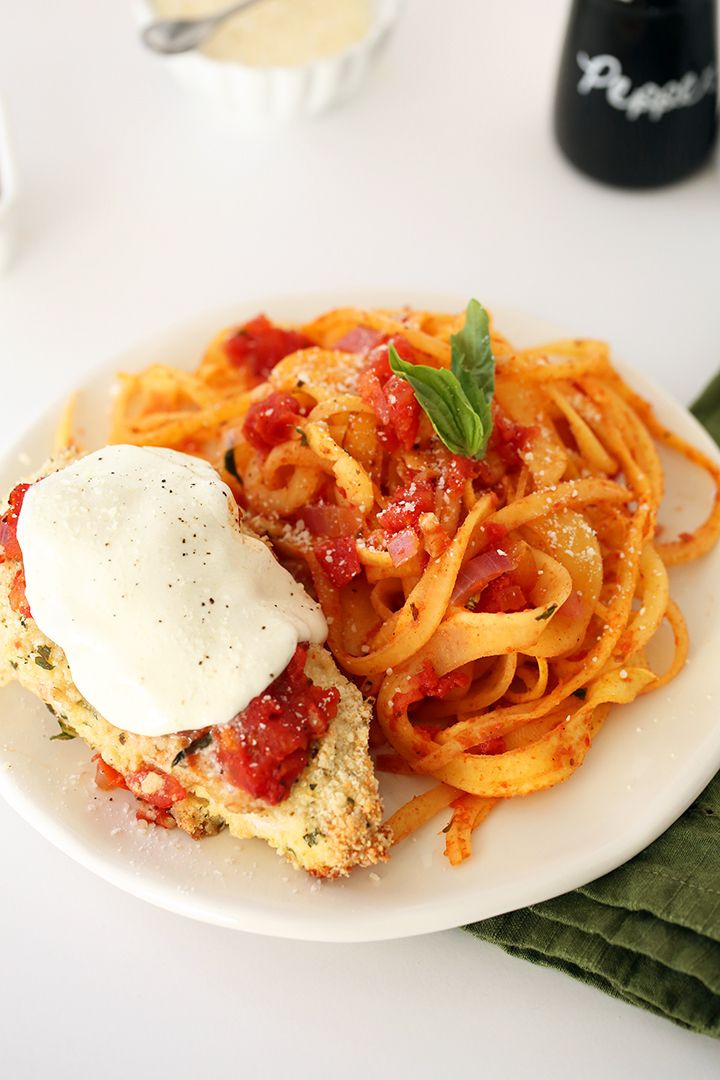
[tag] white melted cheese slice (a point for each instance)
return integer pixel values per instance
(170, 617)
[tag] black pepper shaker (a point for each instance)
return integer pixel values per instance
(636, 101)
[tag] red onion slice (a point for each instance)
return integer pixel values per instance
(331, 521)
(403, 546)
(359, 339)
(479, 572)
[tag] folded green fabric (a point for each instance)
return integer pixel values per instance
(707, 408)
(649, 932)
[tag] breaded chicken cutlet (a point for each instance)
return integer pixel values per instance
(327, 822)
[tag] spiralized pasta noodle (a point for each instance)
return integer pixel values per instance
(493, 610)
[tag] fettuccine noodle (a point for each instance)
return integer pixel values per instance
(493, 610)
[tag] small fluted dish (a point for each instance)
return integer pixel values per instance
(260, 97)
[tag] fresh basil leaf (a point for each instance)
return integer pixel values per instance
(471, 361)
(66, 732)
(42, 657)
(192, 747)
(230, 466)
(443, 399)
(458, 401)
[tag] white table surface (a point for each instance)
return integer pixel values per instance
(138, 209)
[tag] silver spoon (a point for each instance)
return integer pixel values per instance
(181, 35)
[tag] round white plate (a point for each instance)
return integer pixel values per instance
(648, 763)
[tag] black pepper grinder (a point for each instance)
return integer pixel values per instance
(636, 101)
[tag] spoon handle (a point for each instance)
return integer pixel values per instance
(172, 36)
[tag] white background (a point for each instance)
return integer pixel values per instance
(138, 209)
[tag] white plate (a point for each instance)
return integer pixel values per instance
(648, 763)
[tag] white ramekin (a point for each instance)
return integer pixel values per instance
(266, 97)
(8, 190)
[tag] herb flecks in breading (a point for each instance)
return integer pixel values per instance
(42, 658)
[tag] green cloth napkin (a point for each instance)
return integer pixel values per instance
(649, 932)
(707, 408)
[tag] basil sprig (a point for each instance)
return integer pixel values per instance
(457, 401)
(65, 732)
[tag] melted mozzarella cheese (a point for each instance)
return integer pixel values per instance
(171, 618)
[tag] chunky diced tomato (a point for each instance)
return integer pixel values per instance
(503, 595)
(508, 438)
(495, 532)
(458, 471)
(265, 755)
(9, 520)
(379, 362)
(427, 683)
(371, 390)
(406, 505)
(266, 746)
(18, 599)
(392, 399)
(404, 412)
(259, 345)
(106, 777)
(338, 559)
(271, 421)
(404, 349)
(506, 441)
(155, 787)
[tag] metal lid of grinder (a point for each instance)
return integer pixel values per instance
(636, 100)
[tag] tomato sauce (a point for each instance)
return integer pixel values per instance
(265, 747)
(458, 472)
(502, 596)
(427, 683)
(155, 787)
(392, 399)
(18, 599)
(338, 560)
(406, 505)
(271, 421)
(106, 777)
(11, 549)
(156, 790)
(508, 439)
(8, 523)
(259, 345)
